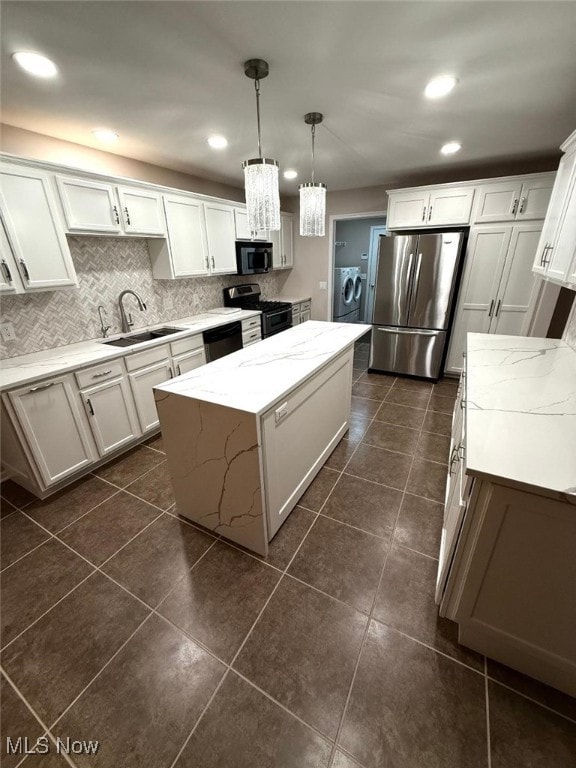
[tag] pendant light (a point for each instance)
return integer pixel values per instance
(312, 194)
(260, 173)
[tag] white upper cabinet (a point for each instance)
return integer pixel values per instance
(89, 206)
(408, 209)
(9, 280)
(96, 206)
(34, 229)
(513, 200)
(221, 237)
(142, 211)
(450, 206)
(556, 255)
(243, 230)
(282, 243)
(185, 251)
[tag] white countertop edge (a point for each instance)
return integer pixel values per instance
(218, 382)
(34, 366)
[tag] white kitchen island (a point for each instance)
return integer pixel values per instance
(246, 435)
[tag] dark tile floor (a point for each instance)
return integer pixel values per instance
(123, 623)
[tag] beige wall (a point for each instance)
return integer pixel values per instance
(36, 146)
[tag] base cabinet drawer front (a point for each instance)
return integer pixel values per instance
(147, 357)
(189, 361)
(111, 415)
(189, 344)
(251, 337)
(251, 323)
(142, 383)
(97, 374)
(54, 427)
(296, 435)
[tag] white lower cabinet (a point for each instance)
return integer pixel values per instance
(111, 415)
(189, 361)
(142, 383)
(53, 427)
(498, 287)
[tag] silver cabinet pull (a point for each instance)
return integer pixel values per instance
(25, 269)
(42, 386)
(6, 270)
(89, 404)
(127, 215)
(515, 207)
(547, 261)
(171, 371)
(116, 214)
(179, 369)
(491, 308)
(98, 375)
(542, 262)
(430, 213)
(424, 213)
(498, 307)
(213, 264)
(522, 204)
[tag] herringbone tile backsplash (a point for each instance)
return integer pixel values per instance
(105, 267)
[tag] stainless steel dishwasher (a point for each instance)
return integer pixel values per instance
(222, 340)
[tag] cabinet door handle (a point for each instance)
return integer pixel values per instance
(42, 386)
(491, 308)
(430, 213)
(522, 204)
(116, 214)
(126, 211)
(542, 262)
(90, 407)
(179, 369)
(6, 270)
(213, 264)
(498, 307)
(424, 213)
(25, 269)
(171, 371)
(515, 207)
(547, 261)
(104, 373)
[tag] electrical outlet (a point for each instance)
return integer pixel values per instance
(364, 256)
(7, 331)
(323, 285)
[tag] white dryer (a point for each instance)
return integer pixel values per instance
(347, 295)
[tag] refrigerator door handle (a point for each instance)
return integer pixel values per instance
(414, 286)
(409, 332)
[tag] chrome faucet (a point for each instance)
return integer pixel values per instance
(103, 327)
(127, 321)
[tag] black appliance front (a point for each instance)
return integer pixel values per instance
(253, 258)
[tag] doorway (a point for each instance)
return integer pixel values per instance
(354, 250)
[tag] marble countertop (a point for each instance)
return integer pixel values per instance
(256, 377)
(521, 411)
(24, 369)
(292, 299)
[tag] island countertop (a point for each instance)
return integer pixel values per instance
(521, 411)
(256, 377)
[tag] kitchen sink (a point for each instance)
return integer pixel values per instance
(138, 338)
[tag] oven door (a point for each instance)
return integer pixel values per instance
(274, 322)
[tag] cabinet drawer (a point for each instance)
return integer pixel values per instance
(187, 345)
(91, 376)
(295, 310)
(147, 357)
(305, 306)
(249, 337)
(252, 322)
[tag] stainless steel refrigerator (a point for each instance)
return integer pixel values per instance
(413, 294)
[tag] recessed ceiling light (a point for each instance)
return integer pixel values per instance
(35, 64)
(105, 135)
(290, 174)
(451, 147)
(440, 86)
(218, 142)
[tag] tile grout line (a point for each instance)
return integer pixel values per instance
(533, 701)
(367, 628)
(487, 708)
(27, 704)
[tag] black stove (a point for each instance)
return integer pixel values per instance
(276, 315)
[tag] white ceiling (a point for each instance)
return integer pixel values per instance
(165, 75)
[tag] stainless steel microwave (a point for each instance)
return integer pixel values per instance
(253, 258)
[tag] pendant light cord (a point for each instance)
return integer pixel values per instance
(313, 136)
(257, 89)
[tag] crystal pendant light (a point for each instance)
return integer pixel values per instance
(261, 173)
(312, 194)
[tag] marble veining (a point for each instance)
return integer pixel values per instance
(257, 376)
(521, 410)
(17, 371)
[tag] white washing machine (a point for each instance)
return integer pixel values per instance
(347, 295)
